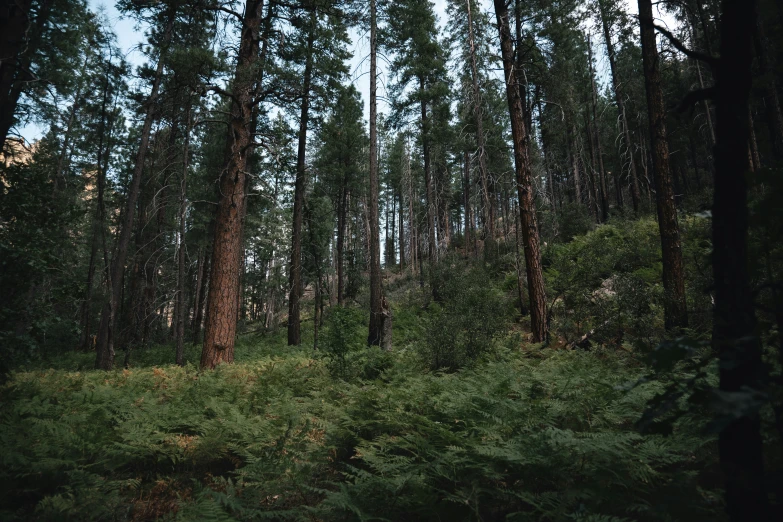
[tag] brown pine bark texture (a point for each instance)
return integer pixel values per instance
(227, 249)
(530, 239)
(675, 309)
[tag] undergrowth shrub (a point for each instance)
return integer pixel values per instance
(465, 324)
(344, 343)
(607, 284)
(520, 439)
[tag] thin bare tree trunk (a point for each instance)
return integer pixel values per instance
(105, 343)
(181, 274)
(489, 228)
(376, 290)
(295, 275)
(618, 93)
(430, 192)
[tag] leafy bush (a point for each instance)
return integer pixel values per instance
(607, 282)
(473, 313)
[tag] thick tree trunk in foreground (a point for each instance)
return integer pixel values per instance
(535, 278)
(295, 274)
(618, 94)
(674, 306)
(734, 335)
(105, 344)
(227, 249)
(376, 291)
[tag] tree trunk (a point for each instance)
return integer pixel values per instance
(430, 193)
(704, 104)
(489, 228)
(376, 291)
(443, 198)
(342, 211)
(523, 311)
(466, 196)
(549, 178)
(222, 300)
(674, 305)
(295, 274)
(734, 335)
(618, 94)
(105, 344)
(754, 147)
(198, 320)
(414, 242)
(571, 144)
(98, 223)
(181, 273)
(401, 228)
(197, 291)
(535, 278)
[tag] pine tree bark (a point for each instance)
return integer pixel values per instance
(734, 335)
(674, 305)
(530, 239)
(105, 343)
(295, 274)
(376, 291)
(227, 248)
(618, 94)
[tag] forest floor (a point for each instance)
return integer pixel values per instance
(513, 431)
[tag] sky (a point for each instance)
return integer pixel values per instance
(129, 36)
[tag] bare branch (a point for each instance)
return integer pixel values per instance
(711, 60)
